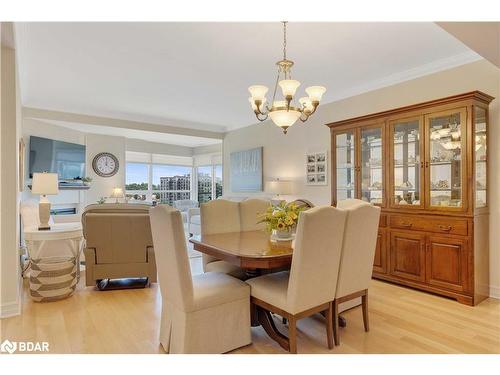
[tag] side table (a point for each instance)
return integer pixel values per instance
(54, 260)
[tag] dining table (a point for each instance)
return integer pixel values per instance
(256, 252)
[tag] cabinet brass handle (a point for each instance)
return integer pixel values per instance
(445, 228)
(408, 225)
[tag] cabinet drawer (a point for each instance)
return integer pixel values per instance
(445, 225)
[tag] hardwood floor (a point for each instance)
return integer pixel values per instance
(127, 321)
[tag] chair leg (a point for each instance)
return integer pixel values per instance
(336, 322)
(329, 325)
(292, 334)
(364, 306)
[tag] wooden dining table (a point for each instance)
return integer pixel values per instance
(253, 251)
(256, 252)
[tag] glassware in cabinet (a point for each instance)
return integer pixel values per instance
(372, 173)
(345, 159)
(446, 140)
(405, 162)
(481, 162)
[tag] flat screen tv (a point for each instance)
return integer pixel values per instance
(65, 159)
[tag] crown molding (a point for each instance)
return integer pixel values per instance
(410, 74)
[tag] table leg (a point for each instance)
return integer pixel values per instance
(267, 322)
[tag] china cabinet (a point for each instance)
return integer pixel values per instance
(426, 166)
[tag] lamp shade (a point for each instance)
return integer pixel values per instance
(45, 184)
(315, 93)
(258, 92)
(306, 104)
(117, 193)
(289, 86)
(284, 118)
(280, 187)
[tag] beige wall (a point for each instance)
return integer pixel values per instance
(284, 155)
(10, 302)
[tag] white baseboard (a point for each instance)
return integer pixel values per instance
(10, 309)
(495, 292)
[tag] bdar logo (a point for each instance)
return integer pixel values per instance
(8, 347)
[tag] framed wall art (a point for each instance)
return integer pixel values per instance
(316, 168)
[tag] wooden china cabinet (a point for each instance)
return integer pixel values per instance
(426, 166)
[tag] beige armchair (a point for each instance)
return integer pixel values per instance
(358, 252)
(310, 285)
(118, 244)
(207, 313)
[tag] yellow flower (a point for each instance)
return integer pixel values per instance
(289, 221)
(280, 225)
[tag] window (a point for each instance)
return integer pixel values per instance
(137, 177)
(218, 181)
(171, 178)
(209, 182)
(171, 183)
(204, 184)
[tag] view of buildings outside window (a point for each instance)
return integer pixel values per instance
(218, 181)
(204, 184)
(170, 183)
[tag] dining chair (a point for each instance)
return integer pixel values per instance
(309, 287)
(358, 252)
(220, 216)
(250, 209)
(206, 313)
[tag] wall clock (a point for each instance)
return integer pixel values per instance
(105, 164)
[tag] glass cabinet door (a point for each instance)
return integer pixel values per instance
(480, 142)
(345, 154)
(406, 150)
(445, 137)
(372, 177)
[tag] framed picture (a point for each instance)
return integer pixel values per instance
(246, 170)
(316, 168)
(311, 178)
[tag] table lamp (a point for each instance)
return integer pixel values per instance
(279, 187)
(45, 184)
(117, 193)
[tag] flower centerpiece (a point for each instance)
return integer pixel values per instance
(281, 219)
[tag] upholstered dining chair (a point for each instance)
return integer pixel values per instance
(220, 216)
(358, 252)
(310, 285)
(250, 209)
(207, 313)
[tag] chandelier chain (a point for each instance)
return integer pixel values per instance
(284, 40)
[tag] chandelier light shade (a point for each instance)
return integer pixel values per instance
(285, 113)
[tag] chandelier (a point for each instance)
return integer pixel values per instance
(284, 113)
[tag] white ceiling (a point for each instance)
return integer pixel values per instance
(196, 74)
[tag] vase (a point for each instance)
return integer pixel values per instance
(283, 233)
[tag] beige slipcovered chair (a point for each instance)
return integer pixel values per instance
(220, 216)
(207, 313)
(250, 209)
(224, 216)
(310, 285)
(358, 252)
(118, 243)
